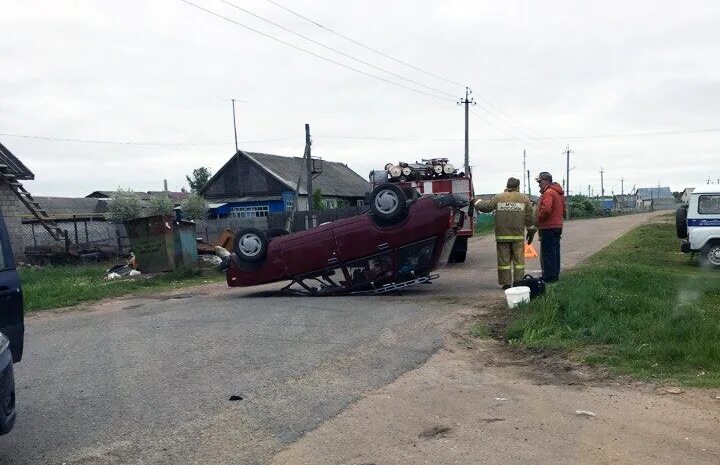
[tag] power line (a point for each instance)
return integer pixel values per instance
(416, 68)
(115, 142)
(377, 138)
(537, 145)
(340, 52)
(218, 15)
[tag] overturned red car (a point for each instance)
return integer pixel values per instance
(398, 242)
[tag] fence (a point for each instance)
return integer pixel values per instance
(96, 234)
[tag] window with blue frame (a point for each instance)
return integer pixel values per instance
(256, 211)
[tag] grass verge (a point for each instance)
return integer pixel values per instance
(63, 286)
(484, 224)
(638, 306)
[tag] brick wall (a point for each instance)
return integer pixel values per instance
(11, 208)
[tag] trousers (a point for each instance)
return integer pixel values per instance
(550, 253)
(511, 261)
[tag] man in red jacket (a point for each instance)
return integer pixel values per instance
(550, 214)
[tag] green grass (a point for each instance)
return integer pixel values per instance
(484, 224)
(638, 306)
(479, 330)
(63, 286)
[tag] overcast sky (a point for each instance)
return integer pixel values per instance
(162, 71)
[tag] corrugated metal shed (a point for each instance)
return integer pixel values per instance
(14, 165)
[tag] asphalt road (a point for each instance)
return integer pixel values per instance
(148, 380)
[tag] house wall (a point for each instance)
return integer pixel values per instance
(11, 209)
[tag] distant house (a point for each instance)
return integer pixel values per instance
(11, 208)
(68, 208)
(255, 184)
(656, 198)
(625, 203)
(685, 197)
(176, 197)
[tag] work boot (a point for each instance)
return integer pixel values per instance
(505, 287)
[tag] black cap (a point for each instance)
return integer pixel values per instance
(513, 183)
(544, 175)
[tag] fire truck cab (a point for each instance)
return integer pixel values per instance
(433, 176)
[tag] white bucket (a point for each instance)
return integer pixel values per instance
(517, 295)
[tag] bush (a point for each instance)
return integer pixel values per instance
(160, 205)
(194, 207)
(124, 205)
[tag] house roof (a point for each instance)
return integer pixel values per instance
(336, 179)
(176, 197)
(66, 207)
(647, 193)
(14, 166)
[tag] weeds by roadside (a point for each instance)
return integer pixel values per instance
(638, 306)
(63, 286)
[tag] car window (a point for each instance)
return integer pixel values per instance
(709, 205)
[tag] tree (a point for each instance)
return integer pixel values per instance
(124, 205)
(317, 200)
(160, 205)
(200, 177)
(194, 207)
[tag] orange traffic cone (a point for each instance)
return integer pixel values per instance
(530, 251)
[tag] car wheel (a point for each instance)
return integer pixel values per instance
(250, 245)
(681, 222)
(459, 250)
(388, 204)
(710, 254)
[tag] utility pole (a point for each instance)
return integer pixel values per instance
(467, 102)
(602, 184)
(528, 183)
(235, 126)
(588, 190)
(622, 186)
(524, 168)
(567, 181)
(308, 160)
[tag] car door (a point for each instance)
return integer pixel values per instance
(308, 252)
(11, 298)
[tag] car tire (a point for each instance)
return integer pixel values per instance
(250, 245)
(459, 251)
(388, 204)
(681, 222)
(710, 254)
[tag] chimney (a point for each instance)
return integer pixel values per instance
(165, 185)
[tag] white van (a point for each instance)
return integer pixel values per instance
(698, 223)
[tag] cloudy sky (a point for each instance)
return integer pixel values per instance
(162, 71)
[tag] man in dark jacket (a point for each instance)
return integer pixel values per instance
(550, 214)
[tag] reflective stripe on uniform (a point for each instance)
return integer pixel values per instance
(504, 267)
(519, 266)
(509, 238)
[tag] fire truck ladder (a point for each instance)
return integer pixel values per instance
(31, 204)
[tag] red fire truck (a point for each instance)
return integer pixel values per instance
(433, 176)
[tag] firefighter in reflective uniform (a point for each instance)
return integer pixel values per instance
(513, 213)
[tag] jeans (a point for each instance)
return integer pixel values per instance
(550, 253)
